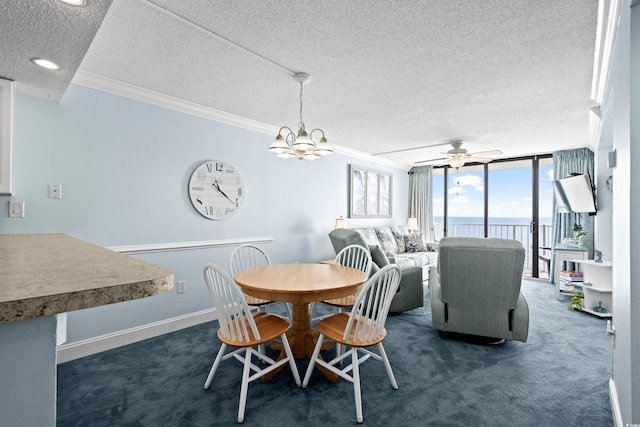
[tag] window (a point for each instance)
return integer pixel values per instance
(370, 193)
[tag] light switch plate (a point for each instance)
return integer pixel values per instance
(16, 208)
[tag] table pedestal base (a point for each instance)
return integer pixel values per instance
(302, 340)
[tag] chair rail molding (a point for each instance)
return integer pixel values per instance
(183, 246)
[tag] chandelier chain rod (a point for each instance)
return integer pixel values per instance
(301, 124)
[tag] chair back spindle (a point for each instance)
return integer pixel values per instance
(354, 256)
(369, 313)
(233, 311)
(247, 256)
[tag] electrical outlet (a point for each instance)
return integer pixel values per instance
(182, 287)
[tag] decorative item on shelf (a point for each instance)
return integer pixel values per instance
(578, 236)
(609, 183)
(340, 223)
(599, 308)
(301, 146)
(597, 255)
(576, 302)
(412, 225)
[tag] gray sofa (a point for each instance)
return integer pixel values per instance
(410, 293)
(401, 247)
(475, 288)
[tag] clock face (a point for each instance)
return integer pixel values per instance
(216, 189)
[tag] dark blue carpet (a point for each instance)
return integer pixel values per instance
(558, 378)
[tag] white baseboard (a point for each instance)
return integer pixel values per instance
(76, 350)
(615, 405)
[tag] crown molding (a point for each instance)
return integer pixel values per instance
(105, 84)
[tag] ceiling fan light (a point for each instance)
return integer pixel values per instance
(456, 162)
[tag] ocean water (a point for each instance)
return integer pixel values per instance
(495, 220)
(501, 227)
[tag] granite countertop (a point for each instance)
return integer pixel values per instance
(44, 274)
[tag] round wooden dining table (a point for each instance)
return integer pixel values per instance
(301, 284)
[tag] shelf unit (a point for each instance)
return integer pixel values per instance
(563, 253)
(601, 290)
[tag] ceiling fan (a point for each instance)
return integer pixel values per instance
(458, 156)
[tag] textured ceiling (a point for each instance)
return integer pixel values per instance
(385, 75)
(45, 29)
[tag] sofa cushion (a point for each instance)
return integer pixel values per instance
(369, 235)
(399, 231)
(387, 241)
(416, 258)
(378, 256)
(414, 243)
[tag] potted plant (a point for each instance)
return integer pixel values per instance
(576, 302)
(578, 232)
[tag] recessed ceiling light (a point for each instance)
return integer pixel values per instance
(74, 2)
(45, 63)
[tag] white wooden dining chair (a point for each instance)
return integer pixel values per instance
(355, 256)
(362, 328)
(241, 328)
(249, 256)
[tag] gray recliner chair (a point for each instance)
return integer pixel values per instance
(475, 288)
(410, 293)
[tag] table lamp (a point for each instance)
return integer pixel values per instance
(412, 225)
(340, 223)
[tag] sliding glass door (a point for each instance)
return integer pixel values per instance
(509, 199)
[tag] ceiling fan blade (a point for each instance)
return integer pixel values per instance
(410, 149)
(486, 153)
(433, 161)
(479, 159)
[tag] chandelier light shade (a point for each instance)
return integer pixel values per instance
(301, 146)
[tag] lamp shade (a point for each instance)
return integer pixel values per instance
(323, 148)
(412, 224)
(303, 142)
(340, 223)
(279, 145)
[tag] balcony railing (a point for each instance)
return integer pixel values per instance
(521, 233)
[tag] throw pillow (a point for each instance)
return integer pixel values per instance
(399, 232)
(378, 256)
(432, 246)
(414, 243)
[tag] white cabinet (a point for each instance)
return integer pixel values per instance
(599, 294)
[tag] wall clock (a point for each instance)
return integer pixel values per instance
(216, 189)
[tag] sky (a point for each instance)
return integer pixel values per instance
(509, 193)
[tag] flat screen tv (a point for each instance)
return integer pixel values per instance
(575, 194)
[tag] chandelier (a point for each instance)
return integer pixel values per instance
(301, 146)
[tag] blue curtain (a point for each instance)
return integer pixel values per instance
(421, 200)
(566, 162)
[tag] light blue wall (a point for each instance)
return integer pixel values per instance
(124, 166)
